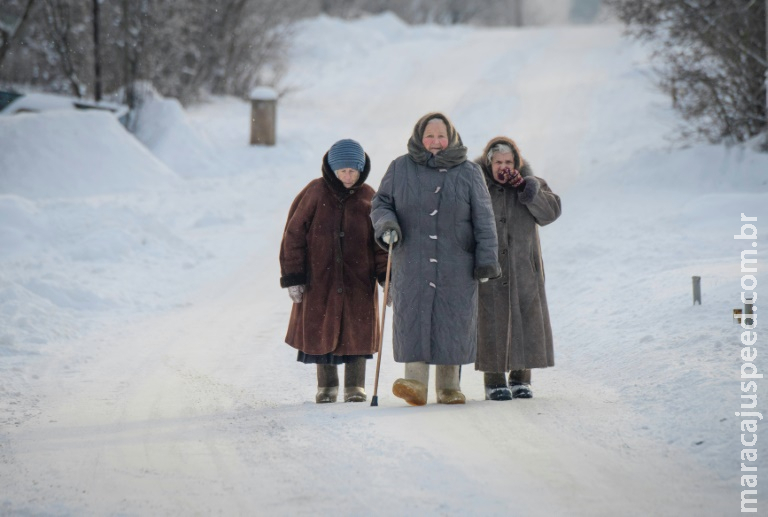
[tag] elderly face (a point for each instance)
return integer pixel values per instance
(501, 161)
(348, 176)
(435, 137)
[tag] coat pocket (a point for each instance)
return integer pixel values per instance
(465, 236)
(463, 229)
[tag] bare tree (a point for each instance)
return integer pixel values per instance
(96, 51)
(10, 31)
(711, 61)
(184, 48)
(518, 10)
(65, 28)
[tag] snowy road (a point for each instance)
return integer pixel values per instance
(185, 414)
(177, 396)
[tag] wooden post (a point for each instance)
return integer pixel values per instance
(263, 116)
(696, 290)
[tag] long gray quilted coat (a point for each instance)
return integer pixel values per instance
(514, 331)
(440, 207)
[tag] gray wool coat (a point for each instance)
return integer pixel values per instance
(447, 241)
(514, 331)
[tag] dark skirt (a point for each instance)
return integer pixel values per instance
(328, 358)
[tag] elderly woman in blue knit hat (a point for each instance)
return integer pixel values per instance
(330, 264)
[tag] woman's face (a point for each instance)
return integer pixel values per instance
(501, 161)
(348, 176)
(435, 137)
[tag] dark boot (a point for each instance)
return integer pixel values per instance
(496, 387)
(520, 384)
(354, 380)
(327, 383)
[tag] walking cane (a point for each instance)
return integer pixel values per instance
(375, 399)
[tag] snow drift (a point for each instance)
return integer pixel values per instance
(74, 154)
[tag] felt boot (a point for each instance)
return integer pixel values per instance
(413, 388)
(354, 380)
(327, 383)
(447, 384)
(496, 387)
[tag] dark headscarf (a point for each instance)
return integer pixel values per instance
(451, 156)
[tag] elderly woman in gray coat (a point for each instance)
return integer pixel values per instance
(433, 205)
(514, 332)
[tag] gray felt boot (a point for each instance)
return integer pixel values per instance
(327, 383)
(447, 385)
(354, 380)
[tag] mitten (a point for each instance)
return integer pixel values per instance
(296, 292)
(390, 234)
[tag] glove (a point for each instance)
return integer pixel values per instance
(483, 280)
(296, 292)
(390, 234)
(512, 176)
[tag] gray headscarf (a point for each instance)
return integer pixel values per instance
(451, 156)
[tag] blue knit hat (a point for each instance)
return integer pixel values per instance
(346, 154)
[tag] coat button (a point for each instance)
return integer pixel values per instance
(503, 252)
(503, 220)
(341, 234)
(339, 290)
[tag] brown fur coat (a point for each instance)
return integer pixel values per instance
(328, 247)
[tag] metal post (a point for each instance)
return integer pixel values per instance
(696, 290)
(747, 321)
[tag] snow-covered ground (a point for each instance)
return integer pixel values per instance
(142, 363)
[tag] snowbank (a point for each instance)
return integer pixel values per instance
(162, 125)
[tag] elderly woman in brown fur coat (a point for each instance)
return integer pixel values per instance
(514, 332)
(330, 264)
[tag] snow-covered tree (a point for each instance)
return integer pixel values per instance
(183, 47)
(711, 60)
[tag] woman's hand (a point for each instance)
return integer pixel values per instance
(296, 292)
(390, 235)
(512, 176)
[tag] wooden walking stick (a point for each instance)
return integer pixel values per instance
(375, 399)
